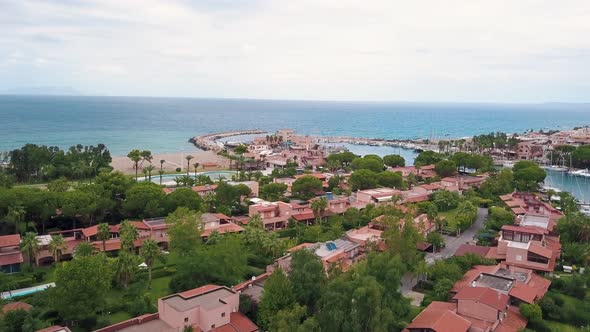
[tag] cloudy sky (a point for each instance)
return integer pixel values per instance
(453, 50)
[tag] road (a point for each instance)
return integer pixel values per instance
(453, 243)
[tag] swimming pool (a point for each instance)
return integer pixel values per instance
(169, 178)
(26, 291)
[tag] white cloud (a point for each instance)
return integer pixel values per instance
(459, 50)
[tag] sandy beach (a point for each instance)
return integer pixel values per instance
(174, 160)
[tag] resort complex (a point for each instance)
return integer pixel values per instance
(454, 242)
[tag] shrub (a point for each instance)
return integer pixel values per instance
(178, 170)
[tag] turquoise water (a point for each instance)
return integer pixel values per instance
(165, 124)
(17, 293)
(212, 175)
(579, 186)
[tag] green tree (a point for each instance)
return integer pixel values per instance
(277, 295)
(57, 246)
(188, 163)
(126, 266)
(427, 158)
(319, 206)
(306, 187)
(369, 162)
(103, 234)
(532, 312)
(144, 200)
(149, 169)
(273, 191)
(528, 175)
(293, 319)
(30, 246)
(307, 278)
(83, 249)
(394, 160)
(59, 185)
(150, 251)
(81, 287)
(135, 156)
(441, 289)
(363, 179)
(183, 197)
(390, 179)
(185, 231)
(445, 168)
(128, 233)
(446, 200)
(16, 214)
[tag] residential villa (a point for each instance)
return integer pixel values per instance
(473, 309)
(341, 252)
(218, 222)
(377, 196)
(149, 228)
(528, 203)
(207, 308)
(463, 182)
(528, 247)
(425, 172)
(521, 285)
(11, 256)
(276, 215)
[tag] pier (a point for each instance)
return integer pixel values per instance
(210, 141)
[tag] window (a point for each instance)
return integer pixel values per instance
(186, 319)
(212, 326)
(532, 257)
(223, 314)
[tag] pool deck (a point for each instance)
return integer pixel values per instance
(28, 290)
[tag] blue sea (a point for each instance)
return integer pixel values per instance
(166, 124)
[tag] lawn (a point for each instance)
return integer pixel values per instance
(119, 316)
(449, 217)
(555, 326)
(160, 288)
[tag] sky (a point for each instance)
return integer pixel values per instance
(382, 50)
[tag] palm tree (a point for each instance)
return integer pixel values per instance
(135, 156)
(125, 266)
(128, 233)
(104, 233)
(30, 246)
(319, 206)
(149, 169)
(188, 163)
(162, 161)
(196, 166)
(146, 155)
(150, 252)
(16, 214)
(84, 249)
(57, 246)
(145, 173)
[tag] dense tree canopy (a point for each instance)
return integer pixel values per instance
(306, 186)
(394, 160)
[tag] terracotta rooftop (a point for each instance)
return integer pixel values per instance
(16, 306)
(483, 295)
(465, 249)
(440, 317)
(11, 258)
(12, 240)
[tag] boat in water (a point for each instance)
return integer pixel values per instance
(585, 209)
(556, 168)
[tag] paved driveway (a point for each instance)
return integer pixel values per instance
(453, 243)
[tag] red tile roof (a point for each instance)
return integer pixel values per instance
(440, 317)
(241, 323)
(199, 291)
(465, 249)
(93, 230)
(12, 240)
(16, 306)
(54, 328)
(523, 293)
(12, 258)
(484, 295)
(301, 246)
(304, 216)
(226, 228)
(514, 321)
(524, 229)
